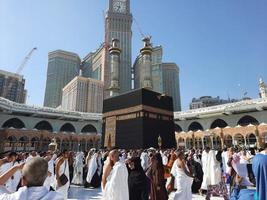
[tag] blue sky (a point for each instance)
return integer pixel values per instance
(218, 44)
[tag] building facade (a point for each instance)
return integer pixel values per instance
(12, 87)
(118, 25)
(63, 66)
(206, 101)
(157, 79)
(156, 67)
(171, 83)
(242, 124)
(94, 66)
(86, 65)
(28, 128)
(83, 95)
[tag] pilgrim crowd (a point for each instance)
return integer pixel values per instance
(150, 174)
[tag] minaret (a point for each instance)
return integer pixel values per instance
(114, 52)
(146, 51)
(262, 89)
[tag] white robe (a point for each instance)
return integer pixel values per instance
(117, 183)
(183, 185)
(64, 189)
(241, 170)
(92, 167)
(12, 183)
(174, 170)
(144, 160)
(164, 159)
(78, 169)
(215, 170)
(211, 169)
(49, 181)
(225, 158)
(31, 193)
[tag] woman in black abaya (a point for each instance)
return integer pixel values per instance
(137, 180)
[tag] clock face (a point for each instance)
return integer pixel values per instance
(119, 6)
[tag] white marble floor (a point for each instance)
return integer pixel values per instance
(81, 193)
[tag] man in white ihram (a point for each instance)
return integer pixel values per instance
(116, 187)
(34, 173)
(12, 183)
(50, 157)
(211, 169)
(78, 169)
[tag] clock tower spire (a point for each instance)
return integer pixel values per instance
(118, 24)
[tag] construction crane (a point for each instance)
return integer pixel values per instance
(139, 28)
(12, 82)
(25, 60)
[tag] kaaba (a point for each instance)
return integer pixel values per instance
(138, 119)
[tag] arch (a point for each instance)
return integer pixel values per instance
(11, 141)
(23, 141)
(251, 140)
(45, 142)
(12, 138)
(217, 142)
(83, 145)
(177, 128)
(195, 126)
(246, 120)
(68, 127)
(198, 143)
(34, 142)
(89, 129)
(189, 143)
(74, 145)
(90, 144)
(65, 144)
(44, 126)
(228, 141)
(97, 143)
(15, 123)
(218, 123)
(207, 141)
(181, 142)
(239, 140)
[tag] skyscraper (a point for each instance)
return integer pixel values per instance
(63, 66)
(171, 83)
(94, 65)
(83, 95)
(12, 86)
(118, 25)
(156, 68)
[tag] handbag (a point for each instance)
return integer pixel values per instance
(63, 179)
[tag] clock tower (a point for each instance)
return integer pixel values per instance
(118, 25)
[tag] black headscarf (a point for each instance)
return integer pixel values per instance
(137, 181)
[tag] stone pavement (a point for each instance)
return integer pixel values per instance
(81, 193)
